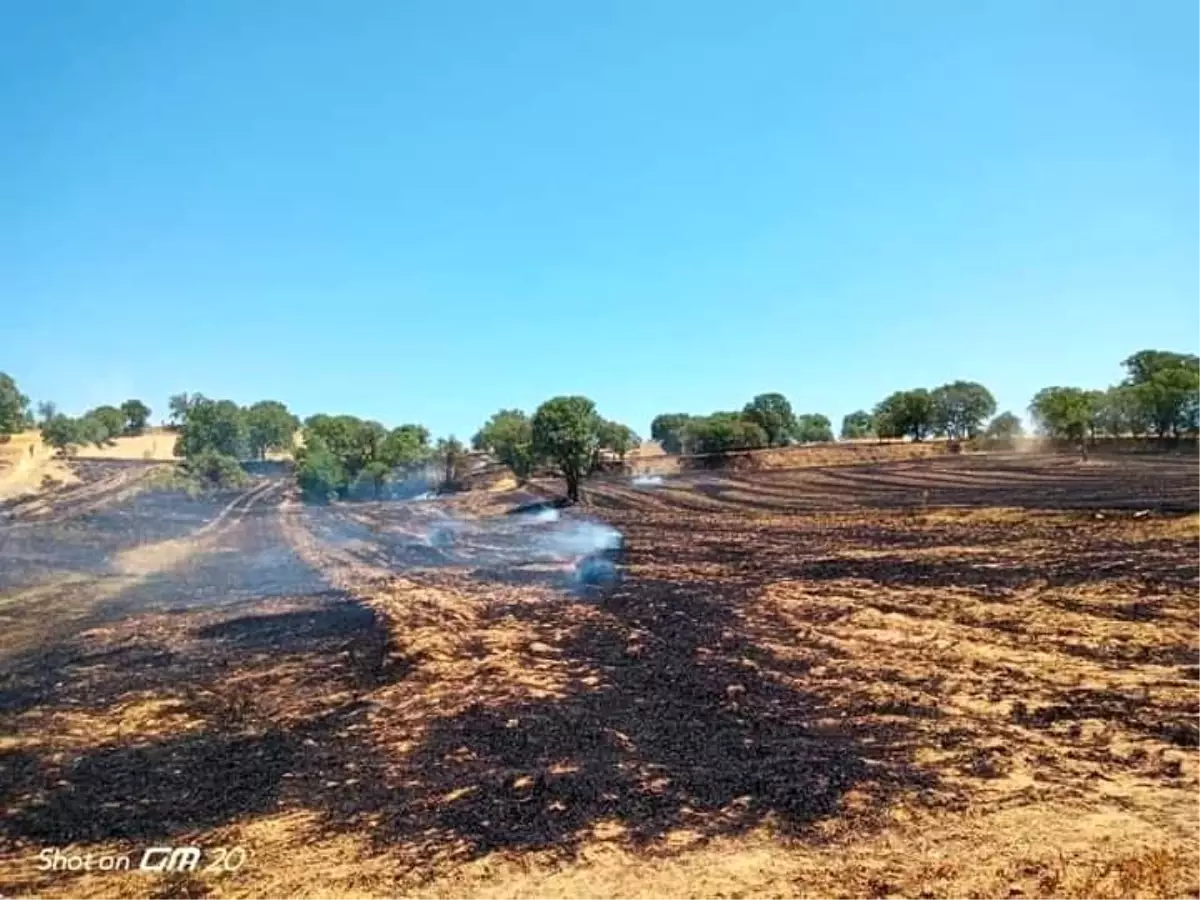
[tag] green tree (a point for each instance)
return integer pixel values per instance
(217, 425)
(47, 410)
(13, 408)
(773, 414)
(508, 435)
(813, 428)
(179, 404)
(618, 438)
(905, 413)
(270, 426)
(1064, 412)
(1167, 389)
(136, 415)
(668, 429)
(110, 418)
(318, 471)
(1005, 427)
(216, 470)
(406, 447)
(63, 433)
(723, 432)
(960, 409)
(566, 433)
(451, 457)
(857, 425)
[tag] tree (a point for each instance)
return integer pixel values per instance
(61, 432)
(1118, 412)
(318, 471)
(723, 432)
(270, 426)
(773, 414)
(618, 438)
(668, 429)
(1167, 389)
(813, 428)
(960, 409)
(136, 415)
(341, 436)
(110, 419)
(508, 435)
(47, 410)
(904, 413)
(217, 425)
(1063, 412)
(1005, 427)
(179, 404)
(566, 433)
(406, 447)
(857, 425)
(451, 456)
(13, 407)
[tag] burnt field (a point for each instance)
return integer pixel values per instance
(969, 676)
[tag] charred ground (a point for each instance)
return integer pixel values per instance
(958, 676)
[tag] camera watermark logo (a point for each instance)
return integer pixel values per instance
(154, 860)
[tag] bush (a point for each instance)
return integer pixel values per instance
(320, 474)
(216, 470)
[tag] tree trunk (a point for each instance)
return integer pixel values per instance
(572, 487)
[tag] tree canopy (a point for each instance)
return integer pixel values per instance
(960, 409)
(1005, 427)
(906, 413)
(270, 426)
(857, 425)
(1062, 412)
(813, 428)
(723, 432)
(508, 435)
(14, 407)
(668, 429)
(136, 414)
(773, 414)
(566, 433)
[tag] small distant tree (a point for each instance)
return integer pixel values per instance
(110, 419)
(406, 447)
(1005, 427)
(508, 435)
(13, 408)
(566, 433)
(270, 426)
(136, 414)
(669, 429)
(857, 425)
(46, 410)
(179, 404)
(451, 456)
(773, 414)
(723, 432)
(905, 413)
(1064, 412)
(1166, 389)
(318, 471)
(61, 432)
(813, 428)
(217, 425)
(618, 438)
(960, 409)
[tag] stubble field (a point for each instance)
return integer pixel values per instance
(969, 676)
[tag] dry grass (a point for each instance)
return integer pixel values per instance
(780, 700)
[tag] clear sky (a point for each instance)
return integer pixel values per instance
(426, 211)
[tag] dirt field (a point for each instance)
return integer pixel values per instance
(961, 676)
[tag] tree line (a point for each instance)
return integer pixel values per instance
(335, 454)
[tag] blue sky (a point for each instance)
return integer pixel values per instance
(427, 211)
